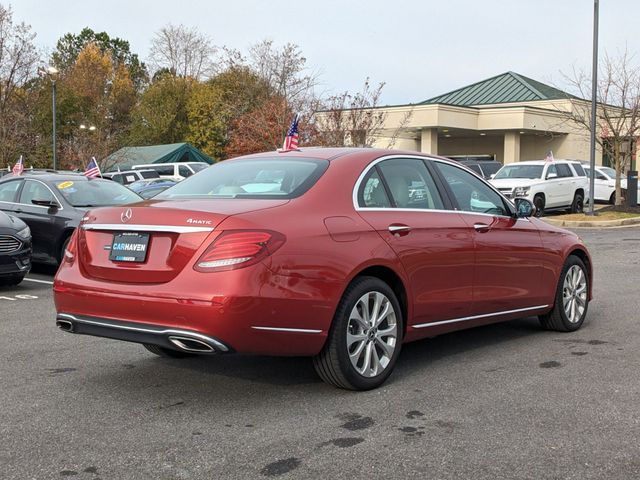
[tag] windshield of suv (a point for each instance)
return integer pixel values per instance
(520, 171)
(251, 178)
(95, 193)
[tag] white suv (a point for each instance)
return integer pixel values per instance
(556, 185)
(174, 171)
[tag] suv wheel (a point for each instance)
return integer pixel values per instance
(538, 201)
(365, 338)
(578, 203)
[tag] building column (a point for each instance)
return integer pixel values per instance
(511, 147)
(429, 141)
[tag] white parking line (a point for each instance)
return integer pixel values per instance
(38, 281)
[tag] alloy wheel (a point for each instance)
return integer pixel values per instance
(372, 334)
(574, 294)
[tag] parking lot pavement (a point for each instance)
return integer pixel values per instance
(498, 402)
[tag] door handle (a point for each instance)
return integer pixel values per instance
(399, 229)
(481, 227)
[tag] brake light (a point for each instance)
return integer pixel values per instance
(70, 251)
(236, 249)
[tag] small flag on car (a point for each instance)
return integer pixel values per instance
(549, 157)
(18, 168)
(291, 140)
(92, 170)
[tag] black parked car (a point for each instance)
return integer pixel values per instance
(52, 205)
(15, 249)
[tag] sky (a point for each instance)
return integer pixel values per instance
(419, 48)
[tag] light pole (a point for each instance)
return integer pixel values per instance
(594, 105)
(52, 73)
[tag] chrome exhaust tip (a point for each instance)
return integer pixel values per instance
(64, 325)
(191, 345)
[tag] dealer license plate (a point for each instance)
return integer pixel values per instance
(129, 247)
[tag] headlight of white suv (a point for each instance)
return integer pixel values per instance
(25, 233)
(521, 191)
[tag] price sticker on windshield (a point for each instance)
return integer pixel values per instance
(64, 185)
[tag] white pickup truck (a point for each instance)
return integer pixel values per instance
(556, 185)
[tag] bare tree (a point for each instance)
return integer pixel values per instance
(618, 110)
(355, 119)
(18, 60)
(183, 51)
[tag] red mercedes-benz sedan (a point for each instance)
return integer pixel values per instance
(338, 254)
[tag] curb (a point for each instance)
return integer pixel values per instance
(593, 224)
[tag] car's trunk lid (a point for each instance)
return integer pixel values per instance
(174, 231)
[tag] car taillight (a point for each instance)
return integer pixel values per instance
(235, 249)
(70, 251)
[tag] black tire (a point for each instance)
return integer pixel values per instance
(538, 201)
(557, 319)
(167, 352)
(612, 198)
(577, 206)
(333, 364)
(12, 280)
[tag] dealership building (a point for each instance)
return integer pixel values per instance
(509, 118)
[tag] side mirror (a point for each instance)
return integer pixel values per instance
(491, 176)
(552, 175)
(524, 208)
(45, 203)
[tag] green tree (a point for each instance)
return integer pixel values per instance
(70, 45)
(161, 114)
(207, 128)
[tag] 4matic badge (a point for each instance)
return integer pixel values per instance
(197, 221)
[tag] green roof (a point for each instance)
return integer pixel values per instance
(126, 157)
(509, 87)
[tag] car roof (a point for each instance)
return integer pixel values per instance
(541, 162)
(49, 176)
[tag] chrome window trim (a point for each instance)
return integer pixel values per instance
(168, 331)
(476, 317)
(357, 207)
(289, 330)
(123, 227)
(33, 204)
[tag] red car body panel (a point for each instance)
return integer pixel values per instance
(446, 268)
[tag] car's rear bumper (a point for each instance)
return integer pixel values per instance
(175, 339)
(250, 310)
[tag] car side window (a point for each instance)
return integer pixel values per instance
(184, 171)
(471, 193)
(372, 193)
(551, 170)
(34, 191)
(564, 170)
(8, 190)
(411, 184)
(167, 170)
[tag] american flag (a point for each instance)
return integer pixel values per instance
(549, 157)
(291, 140)
(18, 168)
(92, 170)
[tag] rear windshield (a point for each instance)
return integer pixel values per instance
(251, 178)
(520, 171)
(95, 193)
(149, 174)
(489, 168)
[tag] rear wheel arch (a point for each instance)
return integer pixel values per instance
(391, 278)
